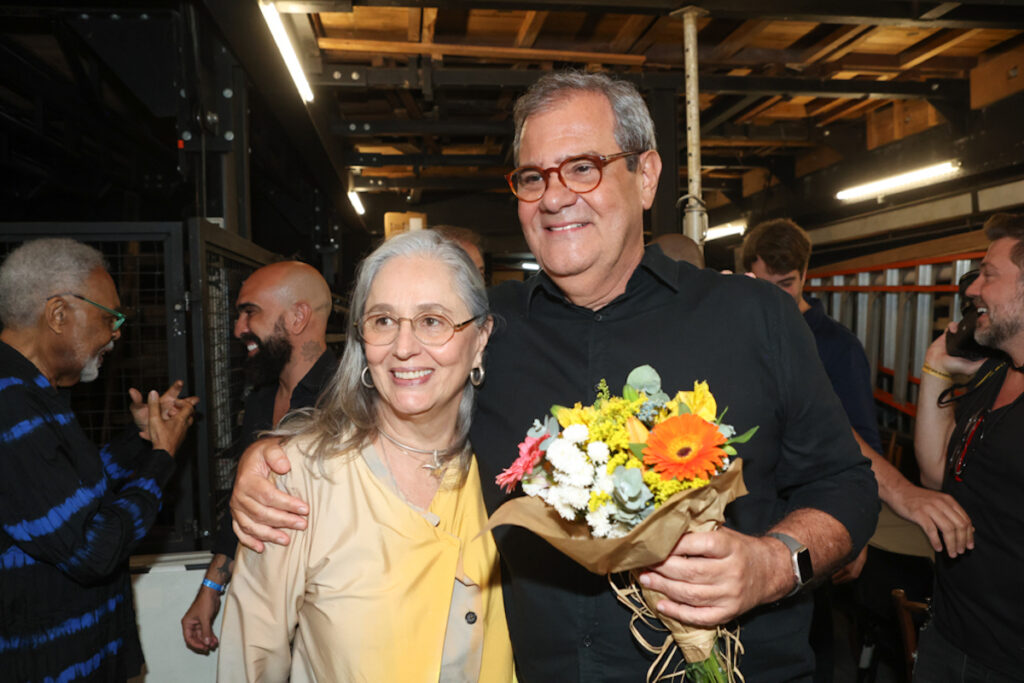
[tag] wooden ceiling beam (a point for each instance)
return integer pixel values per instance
(754, 111)
(853, 44)
(650, 36)
(847, 109)
(940, 10)
(428, 24)
(630, 32)
(1001, 14)
(738, 39)
(860, 61)
(363, 77)
(449, 183)
(530, 28)
(724, 111)
(830, 43)
(822, 106)
(479, 51)
(415, 18)
(934, 45)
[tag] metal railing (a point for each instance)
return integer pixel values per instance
(896, 310)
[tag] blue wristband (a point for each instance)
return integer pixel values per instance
(214, 585)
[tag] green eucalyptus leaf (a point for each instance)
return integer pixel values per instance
(744, 437)
(645, 379)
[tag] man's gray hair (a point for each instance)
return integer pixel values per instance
(634, 128)
(346, 415)
(39, 269)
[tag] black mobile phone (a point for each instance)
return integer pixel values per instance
(962, 342)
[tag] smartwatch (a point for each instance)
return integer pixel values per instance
(803, 571)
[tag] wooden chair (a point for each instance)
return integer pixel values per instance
(894, 451)
(909, 615)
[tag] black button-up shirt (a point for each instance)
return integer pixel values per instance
(747, 339)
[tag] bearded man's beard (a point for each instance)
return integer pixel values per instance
(272, 354)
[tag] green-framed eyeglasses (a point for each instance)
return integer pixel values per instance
(119, 317)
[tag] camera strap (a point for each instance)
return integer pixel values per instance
(949, 395)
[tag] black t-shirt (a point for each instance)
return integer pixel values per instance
(748, 340)
(979, 596)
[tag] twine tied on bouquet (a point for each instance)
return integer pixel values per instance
(694, 643)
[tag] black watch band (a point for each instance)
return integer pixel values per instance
(803, 570)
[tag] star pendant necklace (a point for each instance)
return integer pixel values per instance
(436, 454)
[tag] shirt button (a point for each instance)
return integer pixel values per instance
(598, 317)
(587, 642)
(470, 617)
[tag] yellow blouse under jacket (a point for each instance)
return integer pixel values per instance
(364, 594)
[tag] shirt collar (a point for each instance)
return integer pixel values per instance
(22, 368)
(816, 312)
(664, 269)
(318, 375)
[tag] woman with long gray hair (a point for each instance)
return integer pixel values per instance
(392, 580)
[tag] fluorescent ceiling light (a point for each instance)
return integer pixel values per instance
(284, 45)
(529, 265)
(719, 231)
(357, 204)
(903, 181)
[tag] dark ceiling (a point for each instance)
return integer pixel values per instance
(159, 110)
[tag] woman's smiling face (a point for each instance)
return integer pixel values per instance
(416, 381)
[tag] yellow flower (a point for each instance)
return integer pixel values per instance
(578, 414)
(700, 401)
(636, 430)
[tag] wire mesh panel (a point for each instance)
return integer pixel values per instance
(225, 358)
(219, 263)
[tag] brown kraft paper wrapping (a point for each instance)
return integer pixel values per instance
(649, 543)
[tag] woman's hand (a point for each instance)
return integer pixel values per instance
(258, 508)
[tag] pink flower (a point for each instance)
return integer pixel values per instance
(529, 455)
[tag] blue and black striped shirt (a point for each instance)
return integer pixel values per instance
(69, 517)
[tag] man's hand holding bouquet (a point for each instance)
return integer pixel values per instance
(614, 484)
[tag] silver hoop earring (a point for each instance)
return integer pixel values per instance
(365, 379)
(476, 376)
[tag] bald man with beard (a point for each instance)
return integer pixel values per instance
(282, 321)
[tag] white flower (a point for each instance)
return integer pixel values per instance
(598, 521)
(537, 484)
(603, 482)
(597, 451)
(618, 530)
(728, 431)
(601, 524)
(569, 501)
(575, 433)
(558, 450)
(571, 465)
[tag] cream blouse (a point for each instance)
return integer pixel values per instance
(374, 590)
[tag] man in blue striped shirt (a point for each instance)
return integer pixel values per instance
(70, 513)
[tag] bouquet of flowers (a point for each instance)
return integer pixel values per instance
(603, 481)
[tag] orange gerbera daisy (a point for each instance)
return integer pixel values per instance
(685, 447)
